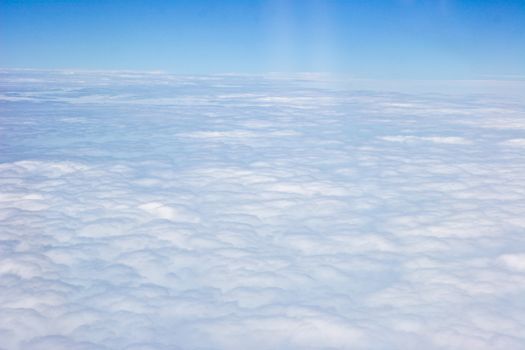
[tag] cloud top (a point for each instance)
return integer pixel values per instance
(147, 211)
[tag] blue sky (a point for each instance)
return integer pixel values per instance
(368, 39)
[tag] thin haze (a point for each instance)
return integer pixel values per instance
(368, 39)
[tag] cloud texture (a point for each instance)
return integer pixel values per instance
(151, 211)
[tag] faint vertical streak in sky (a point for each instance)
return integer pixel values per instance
(280, 27)
(322, 36)
(300, 35)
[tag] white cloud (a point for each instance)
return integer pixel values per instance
(515, 142)
(150, 211)
(453, 140)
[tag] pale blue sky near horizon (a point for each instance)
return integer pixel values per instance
(413, 39)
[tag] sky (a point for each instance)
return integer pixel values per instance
(368, 39)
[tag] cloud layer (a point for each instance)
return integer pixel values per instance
(151, 211)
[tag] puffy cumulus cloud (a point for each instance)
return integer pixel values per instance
(150, 211)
